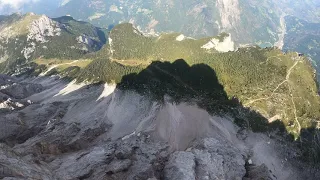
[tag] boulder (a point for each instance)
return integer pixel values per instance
(181, 165)
(118, 166)
(22, 90)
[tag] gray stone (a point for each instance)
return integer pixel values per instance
(22, 90)
(209, 165)
(233, 166)
(124, 151)
(13, 164)
(80, 164)
(258, 172)
(118, 166)
(141, 169)
(181, 165)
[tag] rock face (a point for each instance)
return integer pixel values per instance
(222, 46)
(208, 159)
(257, 172)
(21, 90)
(229, 13)
(217, 159)
(119, 166)
(86, 41)
(181, 165)
(15, 166)
(98, 132)
(39, 30)
(42, 28)
(12, 93)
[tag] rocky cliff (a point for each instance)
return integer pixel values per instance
(85, 131)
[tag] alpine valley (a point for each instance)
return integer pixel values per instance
(152, 90)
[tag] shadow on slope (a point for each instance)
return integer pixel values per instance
(310, 144)
(199, 84)
(180, 82)
(183, 83)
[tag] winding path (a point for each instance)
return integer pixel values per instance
(290, 91)
(286, 80)
(57, 65)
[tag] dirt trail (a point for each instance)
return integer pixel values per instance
(57, 65)
(290, 91)
(273, 92)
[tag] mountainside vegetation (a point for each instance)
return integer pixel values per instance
(265, 23)
(280, 86)
(24, 38)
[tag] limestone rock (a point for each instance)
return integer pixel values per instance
(181, 165)
(22, 90)
(42, 28)
(258, 172)
(118, 166)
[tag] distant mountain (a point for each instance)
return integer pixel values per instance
(248, 21)
(90, 103)
(303, 36)
(193, 18)
(27, 37)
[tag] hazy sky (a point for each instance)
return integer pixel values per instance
(15, 4)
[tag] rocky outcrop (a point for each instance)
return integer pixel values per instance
(21, 90)
(42, 28)
(181, 165)
(208, 159)
(229, 13)
(218, 159)
(11, 93)
(84, 39)
(39, 30)
(16, 166)
(86, 42)
(225, 45)
(86, 133)
(5, 80)
(8, 103)
(257, 172)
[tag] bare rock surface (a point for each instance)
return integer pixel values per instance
(21, 167)
(82, 131)
(42, 28)
(21, 90)
(181, 165)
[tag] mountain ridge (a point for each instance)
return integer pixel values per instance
(29, 36)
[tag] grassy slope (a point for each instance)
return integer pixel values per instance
(130, 44)
(64, 47)
(277, 85)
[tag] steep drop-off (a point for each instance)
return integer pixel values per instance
(98, 131)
